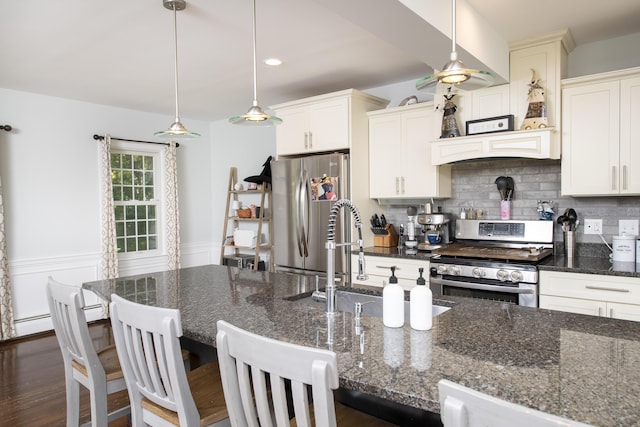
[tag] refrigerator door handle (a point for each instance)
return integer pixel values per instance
(299, 226)
(305, 190)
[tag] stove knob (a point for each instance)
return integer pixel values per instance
(502, 275)
(442, 269)
(454, 270)
(478, 272)
(516, 276)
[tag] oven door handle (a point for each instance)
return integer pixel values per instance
(481, 287)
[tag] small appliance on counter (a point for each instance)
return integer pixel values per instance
(437, 229)
(411, 241)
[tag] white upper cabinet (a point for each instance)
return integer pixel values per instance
(322, 123)
(600, 134)
(400, 154)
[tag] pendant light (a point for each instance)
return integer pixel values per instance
(177, 129)
(455, 72)
(255, 116)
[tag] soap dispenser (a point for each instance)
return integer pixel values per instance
(420, 305)
(393, 302)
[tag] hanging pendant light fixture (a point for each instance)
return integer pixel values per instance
(255, 116)
(455, 72)
(177, 129)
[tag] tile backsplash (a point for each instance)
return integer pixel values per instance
(473, 186)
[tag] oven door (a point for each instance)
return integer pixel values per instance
(524, 294)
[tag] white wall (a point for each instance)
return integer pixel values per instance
(607, 55)
(49, 167)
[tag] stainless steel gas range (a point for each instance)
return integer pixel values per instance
(494, 260)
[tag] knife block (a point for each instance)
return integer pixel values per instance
(387, 240)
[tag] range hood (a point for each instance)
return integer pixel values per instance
(532, 144)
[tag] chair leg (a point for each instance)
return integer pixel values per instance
(73, 399)
(98, 397)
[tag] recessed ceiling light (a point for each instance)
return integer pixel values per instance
(273, 61)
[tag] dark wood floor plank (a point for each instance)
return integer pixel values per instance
(32, 391)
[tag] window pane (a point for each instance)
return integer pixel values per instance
(119, 213)
(153, 243)
(141, 212)
(152, 227)
(138, 193)
(131, 229)
(148, 193)
(152, 212)
(127, 162)
(120, 244)
(131, 212)
(117, 194)
(127, 193)
(148, 178)
(116, 177)
(148, 163)
(115, 160)
(127, 178)
(138, 178)
(142, 228)
(142, 243)
(131, 244)
(137, 162)
(120, 229)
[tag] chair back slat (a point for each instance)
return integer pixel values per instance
(147, 339)
(303, 366)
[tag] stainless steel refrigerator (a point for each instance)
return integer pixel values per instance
(304, 190)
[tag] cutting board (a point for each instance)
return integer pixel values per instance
(531, 254)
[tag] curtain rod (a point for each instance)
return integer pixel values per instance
(100, 137)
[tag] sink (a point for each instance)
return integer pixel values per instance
(371, 303)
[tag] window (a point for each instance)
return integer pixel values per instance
(136, 194)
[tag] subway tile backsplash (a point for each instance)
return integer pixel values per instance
(473, 186)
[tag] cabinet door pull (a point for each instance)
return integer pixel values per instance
(306, 140)
(611, 312)
(613, 177)
(600, 288)
(600, 311)
(403, 186)
(310, 140)
(624, 177)
(397, 185)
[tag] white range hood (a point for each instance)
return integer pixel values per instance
(532, 144)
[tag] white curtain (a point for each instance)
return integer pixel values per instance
(109, 248)
(7, 328)
(173, 214)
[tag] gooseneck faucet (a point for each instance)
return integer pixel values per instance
(330, 290)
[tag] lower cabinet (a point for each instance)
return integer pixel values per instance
(379, 270)
(597, 295)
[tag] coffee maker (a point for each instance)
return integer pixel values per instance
(436, 228)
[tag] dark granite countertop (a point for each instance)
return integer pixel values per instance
(576, 366)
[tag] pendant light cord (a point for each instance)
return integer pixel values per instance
(175, 40)
(453, 26)
(255, 66)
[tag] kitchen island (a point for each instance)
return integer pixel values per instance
(580, 367)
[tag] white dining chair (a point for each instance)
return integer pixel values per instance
(161, 392)
(98, 371)
(461, 406)
(255, 370)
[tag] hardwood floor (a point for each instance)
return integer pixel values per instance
(32, 390)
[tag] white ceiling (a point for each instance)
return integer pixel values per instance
(120, 52)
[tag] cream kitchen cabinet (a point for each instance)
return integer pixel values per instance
(600, 131)
(400, 154)
(593, 294)
(378, 269)
(323, 123)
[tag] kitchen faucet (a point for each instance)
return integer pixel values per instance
(330, 290)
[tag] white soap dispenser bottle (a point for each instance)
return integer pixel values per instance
(420, 305)
(393, 302)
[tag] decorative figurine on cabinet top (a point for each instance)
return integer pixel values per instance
(536, 117)
(449, 124)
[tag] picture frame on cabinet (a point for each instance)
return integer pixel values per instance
(490, 125)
